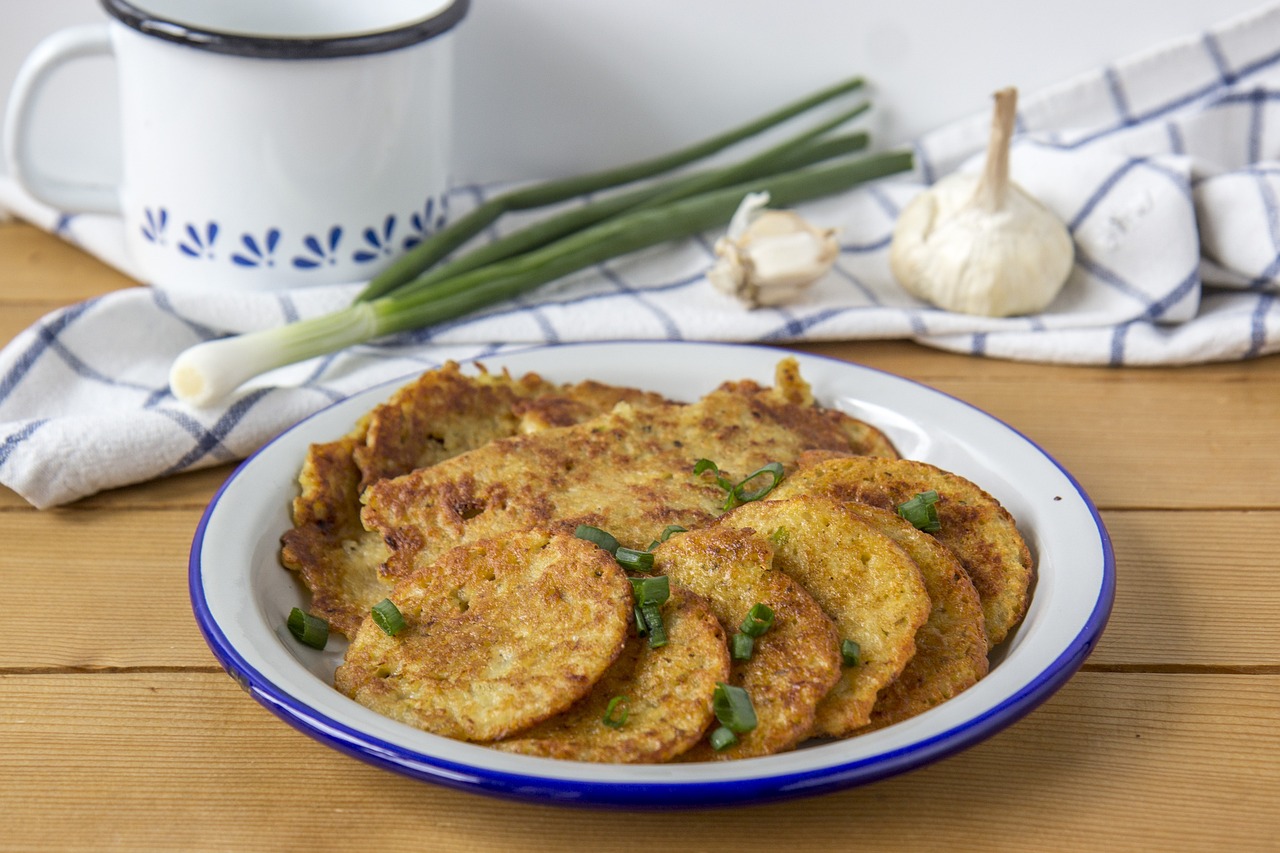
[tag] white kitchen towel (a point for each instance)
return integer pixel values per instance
(1166, 167)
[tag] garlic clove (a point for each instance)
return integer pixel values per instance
(769, 257)
(980, 244)
(748, 209)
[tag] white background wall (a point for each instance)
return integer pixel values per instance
(555, 86)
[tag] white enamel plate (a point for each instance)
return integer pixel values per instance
(242, 596)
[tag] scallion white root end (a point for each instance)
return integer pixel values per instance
(209, 372)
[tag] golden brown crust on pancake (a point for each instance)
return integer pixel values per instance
(790, 404)
(611, 473)
(951, 648)
(628, 473)
(975, 526)
(794, 664)
(440, 414)
(668, 695)
(499, 636)
(862, 579)
(577, 403)
(328, 547)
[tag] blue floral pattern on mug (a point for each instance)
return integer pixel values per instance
(427, 221)
(319, 254)
(197, 245)
(257, 254)
(378, 244)
(259, 250)
(156, 222)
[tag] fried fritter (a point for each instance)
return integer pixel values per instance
(951, 648)
(498, 636)
(335, 556)
(628, 472)
(862, 579)
(794, 664)
(445, 413)
(441, 414)
(667, 694)
(790, 404)
(975, 526)
(573, 404)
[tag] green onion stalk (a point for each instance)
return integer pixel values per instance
(789, 156)
(439, 245)
(209, 371)
(417, 290)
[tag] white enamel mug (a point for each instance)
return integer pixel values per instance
(267, 144)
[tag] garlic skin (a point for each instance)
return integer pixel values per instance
(980, 244)
(769, 257)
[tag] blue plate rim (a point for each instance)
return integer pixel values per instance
(666, 795)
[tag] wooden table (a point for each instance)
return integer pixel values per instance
(118, 730)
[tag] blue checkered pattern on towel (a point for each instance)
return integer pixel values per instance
(1166, 167)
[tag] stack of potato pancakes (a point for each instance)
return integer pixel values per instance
(463, 499)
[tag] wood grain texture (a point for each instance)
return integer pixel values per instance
(118, 731)
(1152, 762)
(1174, 606)
(88, 590)
(1194, 590)
(1133, 437)
(43, 270)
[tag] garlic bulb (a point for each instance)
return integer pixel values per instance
(768, 257)
(980, 244)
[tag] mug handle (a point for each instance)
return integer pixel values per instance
(61, 47)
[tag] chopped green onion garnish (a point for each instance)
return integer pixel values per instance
(733, 708)
(649, 594)
(387, 616)
(773, 469)
(666, 534)
(703, 465)
(653, 590)
(598, 536)
(851, 652)
(722, 738)
(615, 716)
(307, 629)
(657, 628)
(630, 558)
(736, 491)
(742, 646)
(780, 537)
(921, 512)
(759, 619)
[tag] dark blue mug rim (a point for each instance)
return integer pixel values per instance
(282, 47)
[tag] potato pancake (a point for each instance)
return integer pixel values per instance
(667, 693)
(974, 525)
(441, 414)
(951, 648)
(629, 472)
(862, 579)
(334, 555)
(445, 413)
(794, 664)
(790, 405)
(458, 500)
(498, 637)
